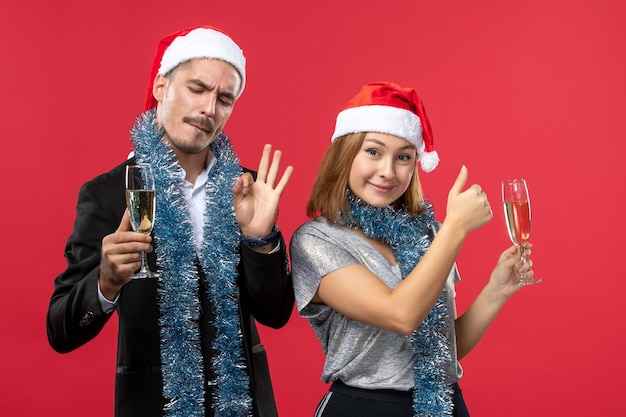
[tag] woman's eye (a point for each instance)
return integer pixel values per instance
(372, 152)
(404, 157)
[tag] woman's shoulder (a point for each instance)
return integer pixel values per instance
(320, 231)
(319, 226)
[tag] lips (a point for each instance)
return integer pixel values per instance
(382, 188)
(203, 124)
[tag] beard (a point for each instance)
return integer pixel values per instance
(185, 133)
(195, 145)
(192, 135)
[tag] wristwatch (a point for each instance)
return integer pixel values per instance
(257, 242)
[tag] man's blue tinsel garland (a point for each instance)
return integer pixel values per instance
(181, 356)
(409, 238)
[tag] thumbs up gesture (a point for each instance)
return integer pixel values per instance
(467, 209)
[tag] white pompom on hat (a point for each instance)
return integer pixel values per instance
(193, 43)
(386, 107)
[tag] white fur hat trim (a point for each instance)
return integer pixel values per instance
(204, 43)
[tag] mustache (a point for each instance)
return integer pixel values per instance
(204, 123)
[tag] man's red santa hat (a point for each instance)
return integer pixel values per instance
(194, 43)
(385, 107)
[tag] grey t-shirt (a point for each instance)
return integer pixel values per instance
(360, 355)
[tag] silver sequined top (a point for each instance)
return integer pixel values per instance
(360, 355)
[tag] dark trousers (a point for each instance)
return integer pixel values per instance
(345, 401)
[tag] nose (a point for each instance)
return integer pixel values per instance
(387, 168)
(208, 107)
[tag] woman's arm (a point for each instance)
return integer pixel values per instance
(359, 294)
(473, 324)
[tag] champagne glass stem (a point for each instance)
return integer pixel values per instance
(144, 268)
(522, 275)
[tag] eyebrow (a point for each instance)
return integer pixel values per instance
(381, 143)
(204, 85)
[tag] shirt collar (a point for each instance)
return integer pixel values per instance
(204, 174)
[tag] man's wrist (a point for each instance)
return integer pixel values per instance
(258, 242)
(106, 303)
(108, 290)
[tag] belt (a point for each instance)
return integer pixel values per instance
(388, 395)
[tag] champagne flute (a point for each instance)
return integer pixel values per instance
(140, 200)
(516, 203)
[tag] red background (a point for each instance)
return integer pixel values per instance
(533, 89)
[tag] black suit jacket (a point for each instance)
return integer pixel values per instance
(75, 315)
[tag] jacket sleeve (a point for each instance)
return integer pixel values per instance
(265, 285)
(74, 315)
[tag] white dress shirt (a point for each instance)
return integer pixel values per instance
(194, 196)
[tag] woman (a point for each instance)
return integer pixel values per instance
(374, 272)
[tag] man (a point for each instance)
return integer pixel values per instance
(187, 342)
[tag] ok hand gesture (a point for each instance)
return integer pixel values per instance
(256, 202)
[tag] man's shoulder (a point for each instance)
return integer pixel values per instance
(113, 177)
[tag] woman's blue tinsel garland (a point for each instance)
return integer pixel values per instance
(409, 238)
(181, 356)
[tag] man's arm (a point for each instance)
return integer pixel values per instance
(265, 285)
(75, 314)
(264, 278)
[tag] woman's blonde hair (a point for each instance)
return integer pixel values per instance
(328, 197)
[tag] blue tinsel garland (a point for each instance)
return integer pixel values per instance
(181, 356)
(409, 238)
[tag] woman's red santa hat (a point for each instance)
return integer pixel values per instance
(194, 43)
(386, 107)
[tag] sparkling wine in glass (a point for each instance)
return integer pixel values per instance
(516, 203)
(140, 200)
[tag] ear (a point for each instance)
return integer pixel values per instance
(159, 86)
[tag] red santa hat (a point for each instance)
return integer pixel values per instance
(194, 43)
(385, 107)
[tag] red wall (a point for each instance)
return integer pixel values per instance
(533, 89)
